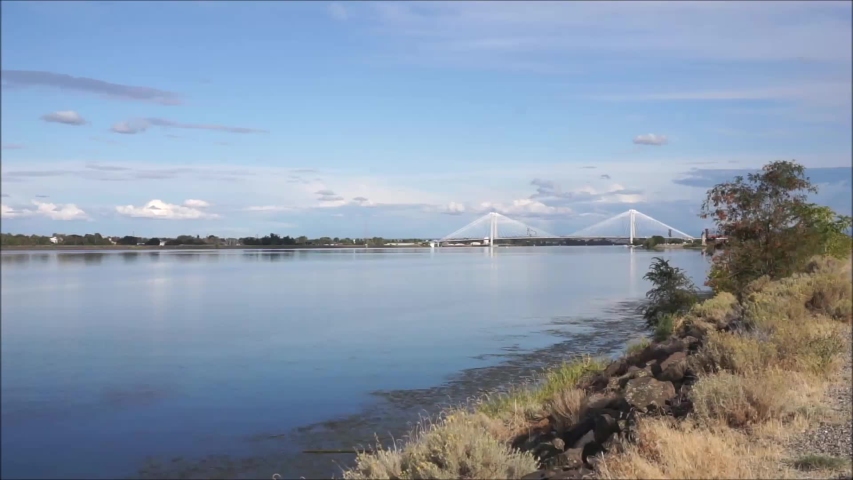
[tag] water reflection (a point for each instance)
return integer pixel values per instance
(16, 258)
(89, 258)
(272, 255)
(130, 257)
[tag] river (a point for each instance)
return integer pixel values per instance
(206, 364)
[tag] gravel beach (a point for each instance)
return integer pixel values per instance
(834, 438)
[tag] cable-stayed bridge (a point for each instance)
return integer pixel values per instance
(627, 225)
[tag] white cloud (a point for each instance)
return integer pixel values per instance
(520, 208)
(160, 209)
(650, 139)
(52, 211)
(196, 203)
(454, 208)
(68, 117)
(269, 208)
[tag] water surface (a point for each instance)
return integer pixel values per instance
(227, 363)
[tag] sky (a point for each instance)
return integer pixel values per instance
(409, 119)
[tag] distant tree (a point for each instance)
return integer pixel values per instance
(153, 242)
(654, 241)
(128, 240)
(672, 292)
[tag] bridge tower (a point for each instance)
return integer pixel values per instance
(632, 228)
(493, 229)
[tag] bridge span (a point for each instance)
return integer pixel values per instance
(627, 225)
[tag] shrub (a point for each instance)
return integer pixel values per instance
(637, 346)
(461, 446)
(667, 450)
(672, 292)
(736, 353)
(744, 400)
(526, 403)
(664, 327)
(567, 408)
(717, 309)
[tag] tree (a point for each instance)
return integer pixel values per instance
(153, 242)
(765, 218)
(827, 232)
(672, 292)
(128, 240)
(653, 242)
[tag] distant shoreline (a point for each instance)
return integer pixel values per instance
(119, 248)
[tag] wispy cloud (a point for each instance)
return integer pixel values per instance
(650, 139)
(121, 173)
(52, 211)
(141, 125)
(27, 78)
(68, 117)
(158, 209)
(667, 31)
(12, 146)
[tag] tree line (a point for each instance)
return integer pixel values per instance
(8, 239)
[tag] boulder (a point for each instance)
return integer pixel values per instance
(572, 458)
(605, 403)
(547, 451)
(673, 368)
(595, 383)
(647, 394)
(616, 368)
(582, 442)
(605, 426)
(560, 473)
(571, 436)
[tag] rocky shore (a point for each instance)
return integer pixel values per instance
(757, 387)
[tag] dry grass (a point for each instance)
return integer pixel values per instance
(567, 408)
(715, 310)
(531, 400)
(637, 346)
(669, 450)
(749, 400)
(462, 445)
(744, 354)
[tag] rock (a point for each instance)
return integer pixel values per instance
(673, 368)
(596, 383)
(606, 403)
(616, 368)
(546, 452)
(587, 438)
(653, 367)
(572, 458)
(605, 426)
(577, 431)
(647, 393)
(559, 473)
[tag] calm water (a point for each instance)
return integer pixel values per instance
(129, 364)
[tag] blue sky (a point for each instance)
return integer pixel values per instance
(408, 119)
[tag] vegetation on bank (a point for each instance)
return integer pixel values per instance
(744, 368)
(19, 240)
